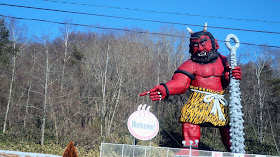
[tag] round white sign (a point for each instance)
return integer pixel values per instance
(142, 124)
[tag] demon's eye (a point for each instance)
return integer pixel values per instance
(203, 41)
(195, 44)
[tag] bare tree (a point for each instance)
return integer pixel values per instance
(66, 56)
(27, 105)
(46, 82)
(17, 36)
(260, 58)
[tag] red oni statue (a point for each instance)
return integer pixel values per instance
(206, 74)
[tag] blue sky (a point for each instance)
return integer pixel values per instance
(268, 10)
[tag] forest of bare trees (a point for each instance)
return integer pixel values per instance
(83, 85)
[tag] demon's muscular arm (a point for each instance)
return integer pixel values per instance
(177, 85)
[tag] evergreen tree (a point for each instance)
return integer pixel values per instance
(6, 49)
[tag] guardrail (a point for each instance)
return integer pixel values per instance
(125, 150)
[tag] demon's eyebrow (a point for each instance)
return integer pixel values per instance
(204, 39)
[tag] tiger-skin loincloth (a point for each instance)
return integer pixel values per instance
(197, 111)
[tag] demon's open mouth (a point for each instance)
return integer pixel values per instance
(203, 53)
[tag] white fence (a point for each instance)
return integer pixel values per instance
(125, 150)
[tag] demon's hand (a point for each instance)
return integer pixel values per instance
(156, 93)
(235, 73)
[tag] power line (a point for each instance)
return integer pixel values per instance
(120, 29)
(161, 12)
(128, 18)
(98, 27)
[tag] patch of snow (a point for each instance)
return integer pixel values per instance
(8, 153)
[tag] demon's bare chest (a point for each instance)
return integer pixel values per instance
(209, 70)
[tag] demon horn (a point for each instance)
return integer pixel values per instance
(205, 27)
(190, 31)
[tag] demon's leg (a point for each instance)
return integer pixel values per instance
(224, 131)
(191, 132)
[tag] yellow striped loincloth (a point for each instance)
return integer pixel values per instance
(197, 111)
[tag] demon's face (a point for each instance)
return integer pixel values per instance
(201, 45)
